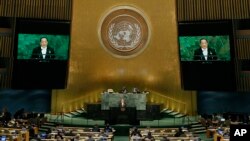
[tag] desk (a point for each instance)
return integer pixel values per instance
(123, 117)
(159, 133)
(83, 133)
(137, 100)
(20, 136)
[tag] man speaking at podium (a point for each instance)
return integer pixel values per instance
(43, 52)
(204, 52)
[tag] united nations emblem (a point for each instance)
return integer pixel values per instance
(124, 32)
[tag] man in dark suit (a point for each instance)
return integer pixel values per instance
(43, 51)
(204, 53)
(5, 116)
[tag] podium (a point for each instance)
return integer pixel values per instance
(137, 100)
(118, 116)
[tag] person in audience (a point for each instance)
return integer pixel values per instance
(107, 128)
(31, 131)
(70, 133)
(48, 131)
(135, 132)
(90, 138)
(147, 129)
(59, 137)
(77, 138)
(96, 128)
(136, 137)
(124, 90)
(103, 136)
(179, 133)
(149, 137)
(5, 116)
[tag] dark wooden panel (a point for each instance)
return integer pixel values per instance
(193, 10)
(46, 9)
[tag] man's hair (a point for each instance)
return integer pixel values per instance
(203, 39)
(43, 38)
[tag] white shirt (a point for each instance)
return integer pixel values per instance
(205, 53)
(44, 50)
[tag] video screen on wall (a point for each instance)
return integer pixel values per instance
(206, 54)
(205, 48)
(41, 54)
(42, 40)
(30, 46)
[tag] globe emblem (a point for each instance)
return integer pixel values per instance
(124, 36)
(124, 32)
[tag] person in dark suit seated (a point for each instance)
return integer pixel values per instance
(5, 117)
(107, 128)
(96, 128)
(136, 132)
(135, 90)
(124, 90)
(149, 137)
(90, 138)
(103, 137)
(204, 53)
(43, 52)
(179, 133)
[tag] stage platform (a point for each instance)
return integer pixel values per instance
(83, 121)
(122, 130)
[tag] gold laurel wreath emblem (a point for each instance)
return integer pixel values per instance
(136, 40)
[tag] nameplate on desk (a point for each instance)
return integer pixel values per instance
(239, 132)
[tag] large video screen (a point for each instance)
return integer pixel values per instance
(206, 54)
(41, 54)
(31, 46)
(205, 48)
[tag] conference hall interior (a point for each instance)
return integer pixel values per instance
(124, 70)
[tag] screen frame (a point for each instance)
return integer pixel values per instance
(37, 74)
(42, 27)
(212, 28)
(219, 75)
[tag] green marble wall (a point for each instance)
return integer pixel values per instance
(131, 100)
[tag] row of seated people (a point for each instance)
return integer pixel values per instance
(20, 116)
(216, 120)
(161, 134)
(77, 133)
(14, 134)
(219, 132)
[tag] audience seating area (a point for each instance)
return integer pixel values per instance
(79, 133)
(162, 134)
(14, 134)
